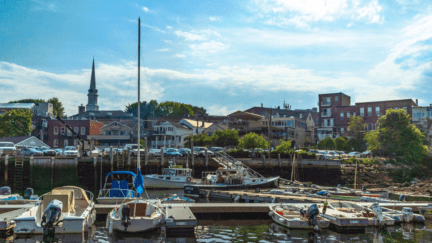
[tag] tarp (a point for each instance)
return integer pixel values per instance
(121, 173)
(139, 183)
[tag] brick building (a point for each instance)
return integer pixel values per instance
(58, 136)
(336, 110)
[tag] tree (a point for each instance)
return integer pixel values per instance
(146, 109)
(327, 144)
(397, 135)
(340, 143)
(57, 107)
(35, 101)
(353, 145)
(285, 147)
(226, 138)
(253, 140)
(198, 140)
(356, 127)
(16, 122)
(372, 142)
(171, 108)
(142, 142)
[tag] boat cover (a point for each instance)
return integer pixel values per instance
(119, 189)
(121, 173)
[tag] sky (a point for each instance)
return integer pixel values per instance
(222, 55)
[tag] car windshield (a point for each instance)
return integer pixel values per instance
(71, 148)
(4, 145)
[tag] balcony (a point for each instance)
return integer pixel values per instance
(109, 137)
(325, 103)
(325, 114)
(327, 125)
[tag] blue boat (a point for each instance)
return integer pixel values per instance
(177, 199)
(118, 190)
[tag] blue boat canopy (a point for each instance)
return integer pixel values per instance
(121, 173)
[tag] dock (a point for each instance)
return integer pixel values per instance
(180, 218)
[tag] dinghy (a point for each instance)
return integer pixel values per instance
(177, 199)
(65, 209)
(296, 218)
(373, 215)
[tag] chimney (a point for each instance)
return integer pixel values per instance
(417, 102)
(81, 109)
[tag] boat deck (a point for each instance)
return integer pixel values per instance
(7, 217)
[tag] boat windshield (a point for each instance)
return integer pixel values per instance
(173, 172)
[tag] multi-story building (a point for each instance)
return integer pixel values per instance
(336, 110)
(58, 136)
(422, 118)
(113, 134)
(284, 112)
(40, 110)
(170, 134)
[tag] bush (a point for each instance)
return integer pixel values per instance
(365, 161)
(306, 155)
(327, 144)
(239, 153)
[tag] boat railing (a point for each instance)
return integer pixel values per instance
(123, 192)
(225, 159)
(91, 194)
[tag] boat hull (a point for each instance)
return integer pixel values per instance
(150, 182)
(138, 225)
(298, 223)
(426, 212)
(114, 200)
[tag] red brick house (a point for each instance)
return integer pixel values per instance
(59, 136)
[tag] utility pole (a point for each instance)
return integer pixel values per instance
(270, 131)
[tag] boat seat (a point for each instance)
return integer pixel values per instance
(119, 189)
(141, 209)
(64, 198)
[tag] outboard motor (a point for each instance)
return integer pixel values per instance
(402, 197)
(126, 216)
(28, 193)
(407, 214)
(338, 185)
(377, 211)
(5, 190)
(312, 214)
(51, 217)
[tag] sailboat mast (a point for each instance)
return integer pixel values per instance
(139, 112)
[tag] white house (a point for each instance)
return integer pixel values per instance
(170, 135)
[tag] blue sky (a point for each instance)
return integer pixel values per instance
(222, 55)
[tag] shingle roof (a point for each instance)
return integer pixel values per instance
(14, 140)
(104, 114)
(199, 123)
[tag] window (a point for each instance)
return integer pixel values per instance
(342, 130)
(370, 126)
(66, 143)
(336, 98)
(76, 130)
(369, 111)
(348, 114)
(396, 108)
(75, 142)
(55, 130)
(377, 111)
(107, 132)
(69, 132)
(354, 114)
(62, 131)
(362, 111)
(82, 130)
(405, 108)
(55, 143)
(429, 113)
(342, 114)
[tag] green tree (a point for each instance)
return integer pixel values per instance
(253, 140)
(36, 101)
(142, 142)
(372, 142)
(146, 109)
(198, 140)
(285, 147)
(353, 145)
(58, 108)
(226, 138)
(171, 108)
(340, 143)
(356, 127)
(16, 122)
(327, 143)
(397, 135)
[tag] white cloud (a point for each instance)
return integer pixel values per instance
(154, 28)
(223, 110)
(169, 27)
(303, 13)
(167, 41)
(145, 9)
(40, 5)
(189, 36)
(214, 18)
(208, 47)
(163, 49)
(180, 55)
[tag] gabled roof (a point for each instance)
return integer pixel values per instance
(194, 123)
(121, 124)
(22, 140)
(246, 115)
(104, 114)
(175, 124)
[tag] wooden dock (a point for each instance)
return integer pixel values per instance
(180, 218)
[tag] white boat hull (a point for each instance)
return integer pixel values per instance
(151, 182)
(138, 225)
(298, 223)
(114, 200)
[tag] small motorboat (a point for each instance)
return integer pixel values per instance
(177, 199)
(405, 216)
(7, 198)
(173, 177)
(118, 190)
(65, 209)
(135, 216)
(426, 211)
(296, 218)
(373, 215)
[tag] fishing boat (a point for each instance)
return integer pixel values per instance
(135, 217)
(296, 218)
(177, 199)
(373, 215)
(232, 174)
(175, 176)
(426, 211)
(405, 216)
(120, 189)
(65, 210)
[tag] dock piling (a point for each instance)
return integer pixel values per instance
(6, 169)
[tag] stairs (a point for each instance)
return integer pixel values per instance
(19, 171)
(229, 162)
(120, 161)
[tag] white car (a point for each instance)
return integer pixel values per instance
(71, 151)
(7, 147)
(354, 154)
(154, 152)
(331, 155)
(134, 149)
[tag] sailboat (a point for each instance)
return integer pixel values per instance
(138, 215)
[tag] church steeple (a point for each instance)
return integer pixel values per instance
(92, 92)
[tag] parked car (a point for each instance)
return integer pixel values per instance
(185, 151)
(366, 153)
(59, 152)
(94, 153)
(321, 154)
(200, 152)
(331, 155)
(171, 152)
(134, 149)
(31, 152)
(7, 148)
(354, 154)
(46, 151)
(71, 151)
(154, 152)
(216, 149)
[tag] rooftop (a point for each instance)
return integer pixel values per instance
(246, 115)
(17, 106)
(340, 93)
